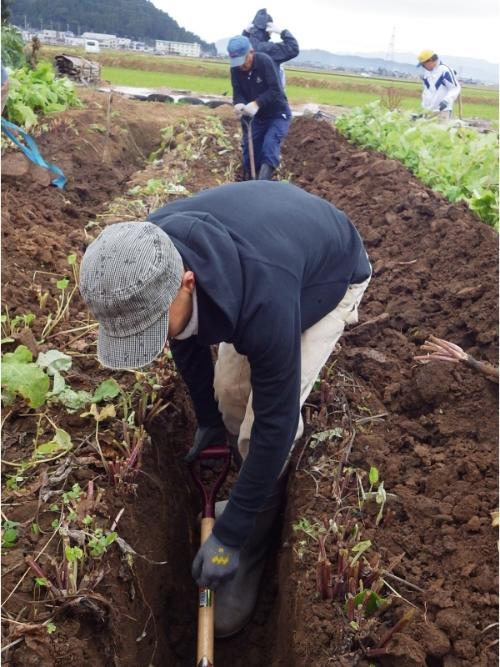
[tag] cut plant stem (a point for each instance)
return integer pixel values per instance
(403, 621)
(40, 573)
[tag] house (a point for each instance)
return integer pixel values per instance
(105, 41)
(178, 48)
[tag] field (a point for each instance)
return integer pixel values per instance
(129, 69)
(100, 517)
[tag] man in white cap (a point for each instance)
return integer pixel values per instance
(272, 274)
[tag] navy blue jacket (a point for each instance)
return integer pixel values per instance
(280, 52)
(270, 260)
(263, 85)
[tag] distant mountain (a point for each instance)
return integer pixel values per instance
(467, 68)
(137, 19)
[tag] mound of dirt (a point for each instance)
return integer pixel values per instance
(435, 270)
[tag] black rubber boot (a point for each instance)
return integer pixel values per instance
(235, 599)
(266, 172)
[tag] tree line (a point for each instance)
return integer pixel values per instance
(138, 19)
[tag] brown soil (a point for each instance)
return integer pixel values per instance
(435, 447)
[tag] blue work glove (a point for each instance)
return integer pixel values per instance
(214, 563)
(206, 436)
(443, 106)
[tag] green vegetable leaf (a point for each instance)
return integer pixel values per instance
(61, 442)
(373, 475)
(53, 361)
(107, 389)
(9, 533)
(74, 400)
(21, 376)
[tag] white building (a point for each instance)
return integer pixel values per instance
(27, 35)
(178, 48)
(124, 43)
(74, 41)
(50, 36)
(106, 41)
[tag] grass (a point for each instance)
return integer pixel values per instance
(121, 76)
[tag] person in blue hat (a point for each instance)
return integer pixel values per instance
(259, 96)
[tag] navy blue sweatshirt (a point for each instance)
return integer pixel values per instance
(263, 85)
(270, 260)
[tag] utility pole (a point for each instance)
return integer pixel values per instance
(390, 48)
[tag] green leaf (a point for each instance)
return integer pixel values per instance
(62, 284)
(61, 442)
(53, 361)
(73, 554)
(21, 355)
(360, 547)
(9, 533)
(20, 376)
(74, 400)
(107, 389)
(373, 475)
(374, 602)
(51, 627)
(41, 581)
(59, 384)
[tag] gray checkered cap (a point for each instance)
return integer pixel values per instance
(129, 277)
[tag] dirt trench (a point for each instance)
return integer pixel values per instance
(435, 268)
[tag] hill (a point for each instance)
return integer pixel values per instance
(137, 19)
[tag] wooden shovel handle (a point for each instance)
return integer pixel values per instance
(251, 153)
(205, 650)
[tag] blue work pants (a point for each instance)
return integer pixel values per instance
(267, 135)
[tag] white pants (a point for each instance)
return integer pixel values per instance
(232, 370)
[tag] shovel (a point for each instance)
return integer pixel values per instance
(220, 454)
(248, 122)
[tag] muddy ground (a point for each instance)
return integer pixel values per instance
(430, 430)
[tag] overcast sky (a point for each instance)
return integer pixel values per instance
(454, 27)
